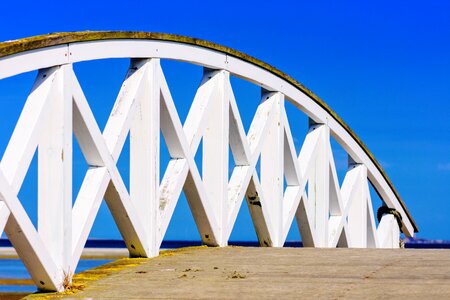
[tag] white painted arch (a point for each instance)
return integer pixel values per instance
(56, 108)
(131, 48)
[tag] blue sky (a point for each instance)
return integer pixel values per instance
(383, 66)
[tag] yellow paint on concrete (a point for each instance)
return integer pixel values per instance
(83, 279)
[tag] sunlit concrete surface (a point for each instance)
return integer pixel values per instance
(240, 273)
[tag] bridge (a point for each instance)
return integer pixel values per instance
(278, 182)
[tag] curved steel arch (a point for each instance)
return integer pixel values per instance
(44, 51)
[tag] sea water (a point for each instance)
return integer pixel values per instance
(15, 269)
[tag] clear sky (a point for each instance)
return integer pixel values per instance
(383, 66)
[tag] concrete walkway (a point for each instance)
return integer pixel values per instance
(272, 273)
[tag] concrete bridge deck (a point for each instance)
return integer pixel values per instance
(243, 273)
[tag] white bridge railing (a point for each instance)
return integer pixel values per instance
(328, 215)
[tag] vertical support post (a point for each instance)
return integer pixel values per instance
(55, 174)
(272, 165)
(388, 232)
(319, 186)
(357, 213)
(215, 153)
(144, 156)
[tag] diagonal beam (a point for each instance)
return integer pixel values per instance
(124, 110)
(350, 189)
(196, 120)
(177, 169)
(104, 150)
(372, 237)
(249, 147)
(182, 142)
(336, 206)
(27, 242)
(237, 139)
(24, 140)
(31, 249)
(259, 212)
(304, 222)
(97, 178)
(357, 213)
(292, 170)
(295, 200)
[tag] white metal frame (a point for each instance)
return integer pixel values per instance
(328, 215)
